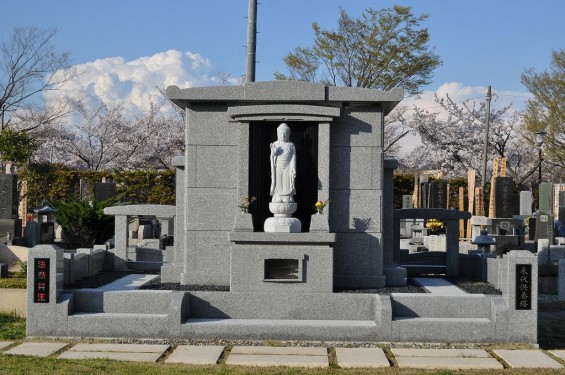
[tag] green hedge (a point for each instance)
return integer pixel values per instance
(54, 182)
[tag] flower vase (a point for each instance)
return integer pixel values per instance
(244, 210)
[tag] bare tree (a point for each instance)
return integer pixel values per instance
(30, 65)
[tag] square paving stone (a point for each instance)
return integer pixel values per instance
(278, 356)
(196, 355)
(558, 353)
(121, 348)
(527, 359)
(361, 357)
(5, 344)
(446, 353)
(37, 349)
(118, 352)
(445, 358)
(118, 356)
(452, 363)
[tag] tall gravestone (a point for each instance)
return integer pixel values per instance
(434, 194)
(545, 197)
(438, 194)
(505, 201)
(9, 201)
(558, 198)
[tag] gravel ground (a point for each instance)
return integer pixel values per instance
(473, 287)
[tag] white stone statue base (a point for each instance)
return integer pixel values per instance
(283, 225)
(283, 222)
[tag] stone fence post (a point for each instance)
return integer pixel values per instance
(520, 293)
(44, 288)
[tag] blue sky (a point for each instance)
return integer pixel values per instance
(481, 42)
(128, 49)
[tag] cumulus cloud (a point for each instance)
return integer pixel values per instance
(134, 84)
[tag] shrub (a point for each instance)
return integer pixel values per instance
(84, 223)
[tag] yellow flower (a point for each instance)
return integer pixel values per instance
(319, 204)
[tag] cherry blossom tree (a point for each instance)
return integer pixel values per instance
(108, 137)
(453, 139)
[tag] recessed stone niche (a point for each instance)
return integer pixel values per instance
(283, 270)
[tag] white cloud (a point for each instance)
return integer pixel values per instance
(133, 84)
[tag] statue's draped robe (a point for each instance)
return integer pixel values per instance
(283, 170)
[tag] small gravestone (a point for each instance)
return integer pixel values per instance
(104, 190)
(406, 225)
(545, 197)
(407, 201)
(544, 227)
(526, 201)
(505, 201)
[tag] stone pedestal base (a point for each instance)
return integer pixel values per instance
(283, 225)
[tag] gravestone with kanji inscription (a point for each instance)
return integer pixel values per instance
(9, 222)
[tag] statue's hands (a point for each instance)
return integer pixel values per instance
(273, 149)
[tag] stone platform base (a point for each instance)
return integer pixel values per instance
(283, 225)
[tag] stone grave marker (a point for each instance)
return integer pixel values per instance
(558, 198)
(526, 200)
(545, 197)
(544, 227)
(505, 201)
(9, 222)
(104, 190)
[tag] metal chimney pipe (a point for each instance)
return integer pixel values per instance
(251, 41)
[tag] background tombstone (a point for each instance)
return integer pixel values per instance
(406, 224)
(558, 198)
(544, 227)
(438, 194)
(526, 201)
(9, 202)
(104, 190)
(505, 201)
(545, 197)
(407, 201)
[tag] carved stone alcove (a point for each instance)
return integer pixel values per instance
(310, 132)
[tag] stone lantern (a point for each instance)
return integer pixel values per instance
(484, 241)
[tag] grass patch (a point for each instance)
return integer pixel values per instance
(12, 327)
(30, 365)
(15, 280)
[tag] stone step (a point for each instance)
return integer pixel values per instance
(129, 301)
(84, 324)
(426, 329)
(310, 306)
(275, 329)
(441, 305)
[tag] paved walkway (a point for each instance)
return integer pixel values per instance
(438, 285)
(294, 356)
